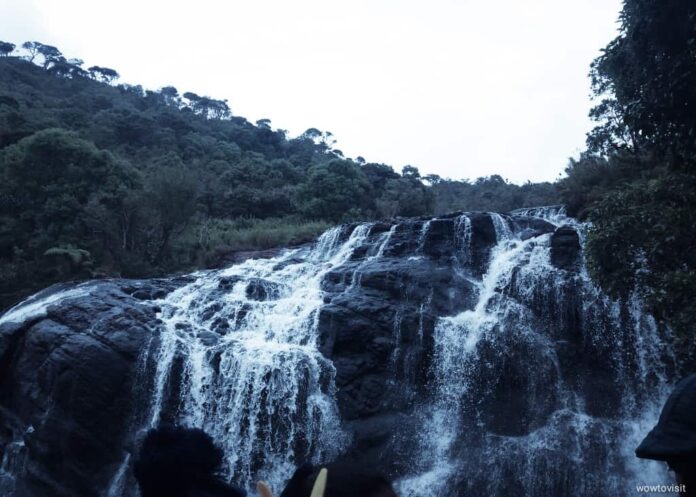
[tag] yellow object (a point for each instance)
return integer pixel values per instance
(320, 484)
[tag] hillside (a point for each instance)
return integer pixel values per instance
(107, 179)
(101, 179)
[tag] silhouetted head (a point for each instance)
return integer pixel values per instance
(673, 439)
(342, 481)
(181, 462)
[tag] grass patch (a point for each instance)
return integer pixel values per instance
(207, 240)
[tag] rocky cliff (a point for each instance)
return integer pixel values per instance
(467, 352)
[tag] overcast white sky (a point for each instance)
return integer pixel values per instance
(459, 88)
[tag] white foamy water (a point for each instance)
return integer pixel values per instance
(251, 372)
(555, 214)
(518, 275)
(118, 483)
(37, 305)
(238, 355)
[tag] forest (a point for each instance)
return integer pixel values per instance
(107, 179)
(104, 179)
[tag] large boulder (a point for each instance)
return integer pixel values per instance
(565, 247)
(70, 381)
(377, 325)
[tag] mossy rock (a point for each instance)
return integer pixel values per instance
(78, 257)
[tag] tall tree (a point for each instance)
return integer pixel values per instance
(264, 123)
(103, 74)
(208, 107)
(410, 172)
(171, 96)
(50, 54)
(6, 48)
(646, 80)
(636, 182)
(33, 48)
(171, 190)
(67, 69)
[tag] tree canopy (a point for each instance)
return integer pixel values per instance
(646, 80)
(6, 48)
(138, 182)
(637, 179)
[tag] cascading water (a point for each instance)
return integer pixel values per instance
(466, 450)
(553, 213)
(422, 236)
(12, 464)
(463, 355)
(239, 359)
(37, 305)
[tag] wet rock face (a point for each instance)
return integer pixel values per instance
(76, 378)
(68, 380)
(515, 405)
(259, 289)
(565, 248)
(378, 328)
(385, 324)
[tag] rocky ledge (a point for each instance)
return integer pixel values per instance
(71, 357)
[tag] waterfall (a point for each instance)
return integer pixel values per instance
(502, 373)
(12, 466)
(554, 213)
(462, 240)
(502, 228)
(386, 238)
(455, 341)
(36, 305)
(238, 357)
(422, 236)
(118, 483)
(513, 329)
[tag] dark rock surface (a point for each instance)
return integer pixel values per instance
(565, 248)
(259, 289)
(69, 378)
(72, 378)
(378, 330)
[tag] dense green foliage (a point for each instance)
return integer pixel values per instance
(105, 179)
(102, 179)
(647, 78)
(637, 182)
(491, 193)
(643, 238)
